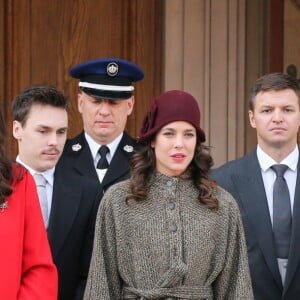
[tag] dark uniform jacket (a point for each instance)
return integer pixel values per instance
(76, 195)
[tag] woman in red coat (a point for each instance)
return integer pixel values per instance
(27, 271)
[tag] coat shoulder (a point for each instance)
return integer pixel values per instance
(129, 143)
(74, 145)
(235, 166)
(225, 199)
(119, 189)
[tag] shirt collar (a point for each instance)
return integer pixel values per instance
(48, 174)
(267, 161)
(94, 146)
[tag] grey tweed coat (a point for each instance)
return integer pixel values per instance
(168, 246)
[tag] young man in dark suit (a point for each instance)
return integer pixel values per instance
(40, 127)
(269, 201)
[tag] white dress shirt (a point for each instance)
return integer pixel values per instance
(94, 147)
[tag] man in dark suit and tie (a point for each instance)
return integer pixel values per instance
(69, 204)
(105, 100)
(266, 186)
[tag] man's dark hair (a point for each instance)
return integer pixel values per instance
(275, 82)
(36, 94)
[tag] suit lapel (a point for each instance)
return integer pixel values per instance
(254, 202)
(119, 166)
(77, 155)
(65, 205)
(84, 162)
(294, 256)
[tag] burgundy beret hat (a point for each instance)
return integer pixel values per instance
(169, 107)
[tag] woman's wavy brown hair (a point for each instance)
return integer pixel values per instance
(143, 166)
(5, 166)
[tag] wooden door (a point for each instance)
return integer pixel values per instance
(40, 41)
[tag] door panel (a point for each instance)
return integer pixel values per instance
(43, 39)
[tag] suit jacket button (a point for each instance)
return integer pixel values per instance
(171, 205)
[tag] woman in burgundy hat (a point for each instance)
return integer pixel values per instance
(169, 232)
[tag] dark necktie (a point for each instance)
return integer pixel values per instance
(103, 163)
(282, 216)
(40, 181)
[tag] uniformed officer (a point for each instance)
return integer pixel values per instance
(105, 101)
(100, 154)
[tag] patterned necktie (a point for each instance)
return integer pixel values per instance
(103, 163)
(282, 215)
(40, 181)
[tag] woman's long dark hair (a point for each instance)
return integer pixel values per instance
(5, 166)
(143, 166)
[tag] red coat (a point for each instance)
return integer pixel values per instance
(27, 271)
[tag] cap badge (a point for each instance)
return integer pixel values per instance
(76, 147)
(112, 69)
(128, 148)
